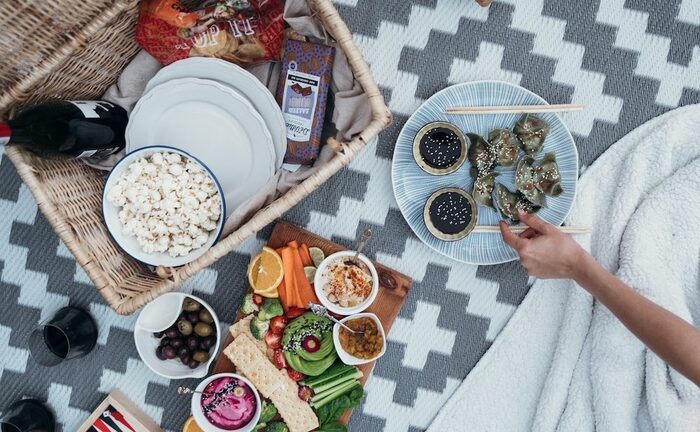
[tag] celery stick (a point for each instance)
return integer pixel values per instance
(329, 386)
(338, 369)
(340, 391)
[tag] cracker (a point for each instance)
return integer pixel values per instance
(252, 363)
(243, 327)
(296, 413)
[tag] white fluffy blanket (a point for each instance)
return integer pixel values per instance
(564, 362)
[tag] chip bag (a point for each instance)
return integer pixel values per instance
(244, 32)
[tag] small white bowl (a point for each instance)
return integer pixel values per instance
(350, 359)
(128, 243)
(198, 415)
(146, 344)
(333, 307)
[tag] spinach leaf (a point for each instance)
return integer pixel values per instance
(332, 411)
(333, 427)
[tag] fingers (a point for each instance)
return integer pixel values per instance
(533, 222)
(511, 239)
(483, 3)
(529, 233)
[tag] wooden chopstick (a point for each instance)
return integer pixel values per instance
(517, 229)
(516, 109)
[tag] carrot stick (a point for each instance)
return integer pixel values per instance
(302, 284)
(305, 255)
(288, 255)
(293, 244)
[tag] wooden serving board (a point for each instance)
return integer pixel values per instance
(393, 288)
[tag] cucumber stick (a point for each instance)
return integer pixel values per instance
(331, 385)
(330, 396)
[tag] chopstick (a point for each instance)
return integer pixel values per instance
(517, 229)
(516, 109)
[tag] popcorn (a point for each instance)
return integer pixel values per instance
(167, 202)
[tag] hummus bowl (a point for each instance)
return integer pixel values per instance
(346, 285)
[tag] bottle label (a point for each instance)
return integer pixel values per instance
(299, 103)
(5, 133)
(98, 154)
(90, 109)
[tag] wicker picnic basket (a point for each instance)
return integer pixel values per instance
(73, 49)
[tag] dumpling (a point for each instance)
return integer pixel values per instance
(525, 182)
(483, 186)
(504, 144)
(509, 203)
(531, 131)
(480, 155)
(547, 176)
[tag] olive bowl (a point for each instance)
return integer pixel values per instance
(146, 342)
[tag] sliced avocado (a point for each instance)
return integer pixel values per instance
(309, 368)
(324, 349)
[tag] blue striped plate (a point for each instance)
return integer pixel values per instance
(413, 186)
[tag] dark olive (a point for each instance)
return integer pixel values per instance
(177, 343)
(193, 364)
(172, 332)
(185, 359)
(205, 315)
(169, 352)
(203, 329)
(182, 351)
(184, 327)
(159, 353)
(200, 356)
(193, 317)
(191, 305)
(165, 341)
(158, 334)
(192, 342)
(206, 343)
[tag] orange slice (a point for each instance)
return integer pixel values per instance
(191, 426)
(265, 273)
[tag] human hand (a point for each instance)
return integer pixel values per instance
(545, 251)
(484, 3)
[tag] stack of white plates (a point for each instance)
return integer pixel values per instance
(219, 113)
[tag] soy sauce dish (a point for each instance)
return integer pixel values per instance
(440, 148)
(450, 214)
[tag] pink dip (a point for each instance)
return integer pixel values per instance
(232, 405)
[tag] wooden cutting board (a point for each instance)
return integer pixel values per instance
(393, 288)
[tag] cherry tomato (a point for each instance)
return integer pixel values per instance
(294, 375)
(294, 312)
(273, 340)
(278, 323)
(278, 359)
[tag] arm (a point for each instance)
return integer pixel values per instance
(546, 253)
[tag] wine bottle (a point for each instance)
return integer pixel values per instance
(73, 129)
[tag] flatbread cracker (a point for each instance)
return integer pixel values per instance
(296, 413)
(243, 327)
(252, 363)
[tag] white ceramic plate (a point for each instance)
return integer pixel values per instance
(215, 124)
(238, 79)
(413, 186)
(128, 243)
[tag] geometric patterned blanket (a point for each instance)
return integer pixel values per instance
(626, 60)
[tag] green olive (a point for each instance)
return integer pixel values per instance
(203, 329)
(200, 356)
(191, 305)
(205, 316)
(184, 327)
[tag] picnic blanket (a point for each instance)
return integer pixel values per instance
(564, 362)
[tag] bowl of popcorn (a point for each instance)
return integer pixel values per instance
(163, 206)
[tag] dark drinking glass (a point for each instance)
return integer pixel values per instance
(71, 333)
(27, 415)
